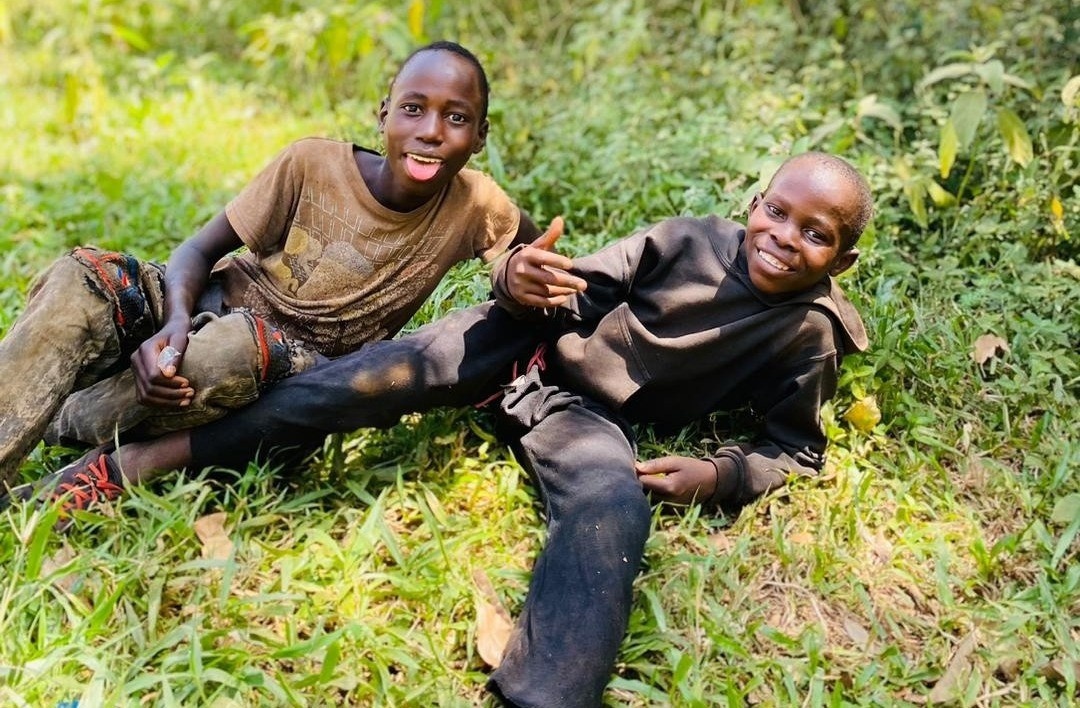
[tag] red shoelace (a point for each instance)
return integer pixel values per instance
(89, 485)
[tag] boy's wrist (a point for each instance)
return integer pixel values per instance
(727, 485)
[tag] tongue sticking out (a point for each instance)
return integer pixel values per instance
(421, 171)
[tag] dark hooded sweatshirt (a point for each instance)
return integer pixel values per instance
(671, 329)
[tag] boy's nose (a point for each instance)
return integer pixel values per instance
(431, 128)
(785, 235)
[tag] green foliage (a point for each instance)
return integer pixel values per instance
(936, 560)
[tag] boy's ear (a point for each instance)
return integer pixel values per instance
(754, 202)
(481, 136)
(844, 261)
(384, 109)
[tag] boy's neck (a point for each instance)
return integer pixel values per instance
(380, 182)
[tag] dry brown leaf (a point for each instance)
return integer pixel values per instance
(802, 538)
(881, 548)
(58, 560)
(959, 667)
(210, 529)
(720, 542)
(1056, 670)
(987, 347)
(493, 624)
(1008, 669)
(857, 632)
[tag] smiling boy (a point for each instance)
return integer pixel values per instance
(340, 245)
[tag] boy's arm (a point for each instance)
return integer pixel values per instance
(527, 231)
(793, 443)
(186, 275)
(533, 280)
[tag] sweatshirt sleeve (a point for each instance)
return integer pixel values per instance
(793, 439)
(608, 273)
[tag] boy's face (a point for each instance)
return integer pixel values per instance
(796, 230)
(431, 121)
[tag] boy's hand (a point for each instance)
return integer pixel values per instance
(155, 364)
(678, 480)
(537, 276)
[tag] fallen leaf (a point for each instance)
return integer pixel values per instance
(857, 632)
(1057, 670)
(1008, 669)
(721, 543)
(880, 547)
(802, 538)
(948, 686)
(56, 561)
(864, 414)
(988, 346)
(493, 624)
(210, 529)
(1066, 510)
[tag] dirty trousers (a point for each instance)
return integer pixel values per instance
(64, 364)
(580, 456)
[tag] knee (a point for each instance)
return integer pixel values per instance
(619, 499)
(242, 345)
(72, 278)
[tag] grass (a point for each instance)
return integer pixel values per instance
(935, 560)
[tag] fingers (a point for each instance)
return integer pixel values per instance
(660, 465)
(678, 480)
(168, 360)
(165, 393)
(155, 364)
(539, 277)
(546, 241)
(544, 287)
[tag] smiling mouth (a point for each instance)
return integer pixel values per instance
(771, 260)
(421, 167)
(424, 158)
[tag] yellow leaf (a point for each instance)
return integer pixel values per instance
(210, 529)
(864, 414)
(1056, 210)
(416, 19)
(988, 346)
(939, 194)
(801, 538)
(947, 148)
(1015, 135)
(493, 624)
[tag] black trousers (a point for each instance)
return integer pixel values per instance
(579, 454)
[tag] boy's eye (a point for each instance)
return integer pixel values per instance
(773, 210)
(411, 108)
(458, 118)
(815, 236)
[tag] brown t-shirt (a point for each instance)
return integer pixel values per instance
(332, 266)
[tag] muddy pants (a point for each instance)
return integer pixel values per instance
(563, 648)
(64, 364)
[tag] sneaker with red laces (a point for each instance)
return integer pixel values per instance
(90, 480)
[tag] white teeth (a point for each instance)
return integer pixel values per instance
(768, 258)
(427, 160)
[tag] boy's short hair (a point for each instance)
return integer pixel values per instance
(454, 48)
(864, 198)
